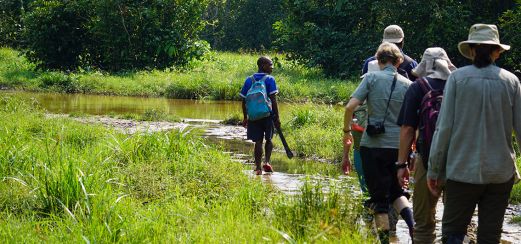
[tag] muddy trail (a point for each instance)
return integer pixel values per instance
(233, 141)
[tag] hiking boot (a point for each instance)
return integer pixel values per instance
(267, 168)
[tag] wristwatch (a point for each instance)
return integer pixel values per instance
(401, 165)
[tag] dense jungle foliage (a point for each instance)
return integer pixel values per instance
(338, 35)
(242, 24)
(110, 35)
(334, 35)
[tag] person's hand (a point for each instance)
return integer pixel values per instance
(434, 186)
(403, 177)
(346, 161)
(346, 165)
(245, 123)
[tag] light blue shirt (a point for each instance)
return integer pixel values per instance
(376, 88)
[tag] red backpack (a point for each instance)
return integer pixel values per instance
(429, 110)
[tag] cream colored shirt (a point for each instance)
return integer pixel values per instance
(473, 138)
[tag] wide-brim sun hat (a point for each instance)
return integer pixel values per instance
(435, 64)
(481, 34)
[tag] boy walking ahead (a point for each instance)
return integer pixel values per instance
(260, 111)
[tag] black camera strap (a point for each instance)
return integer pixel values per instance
(388, 100)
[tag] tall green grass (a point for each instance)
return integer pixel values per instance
(314, 130)
(307, 125)
(218, 78)
(62, 181)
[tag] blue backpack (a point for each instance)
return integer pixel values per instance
(258, 104)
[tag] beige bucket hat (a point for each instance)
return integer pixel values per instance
(393, 33)
(481, 34)
(435, 64)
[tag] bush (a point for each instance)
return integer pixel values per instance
(114, 35)
(59, 82)
(509, 23)
(231, 23)
(55, 34)
(339, 35)
(11, 21)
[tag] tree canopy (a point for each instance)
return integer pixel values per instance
(335, 35)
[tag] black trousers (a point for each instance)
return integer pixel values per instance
(380, 176)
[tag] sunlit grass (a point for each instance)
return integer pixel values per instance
(314, 130)
(63, 181)
(218, 78)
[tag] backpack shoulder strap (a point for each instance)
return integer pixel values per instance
(424, 85)
(263, 79)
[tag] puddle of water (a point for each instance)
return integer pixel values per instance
(103, 105)
(60, 103)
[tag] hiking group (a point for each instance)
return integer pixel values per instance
(452, 127)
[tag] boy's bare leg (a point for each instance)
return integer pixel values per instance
(268, 147)
(258, 154)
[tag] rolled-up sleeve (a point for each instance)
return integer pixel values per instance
(441, 138)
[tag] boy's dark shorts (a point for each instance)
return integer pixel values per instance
(260, 128)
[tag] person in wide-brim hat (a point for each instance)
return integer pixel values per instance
(435, 64)
(472, 153)
(481, 34)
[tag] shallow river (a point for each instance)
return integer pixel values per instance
(287, 178)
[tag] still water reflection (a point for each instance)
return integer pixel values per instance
(102, 105)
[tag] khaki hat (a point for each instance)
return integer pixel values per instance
(393, 33)
(481, 34)
(434, 64)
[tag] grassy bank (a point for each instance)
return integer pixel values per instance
(307, 125)
(218, 78)
(62, 181)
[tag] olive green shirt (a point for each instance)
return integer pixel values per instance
(376, 88)
(473, 138)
